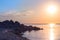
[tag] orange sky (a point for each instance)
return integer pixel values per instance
(36, 13)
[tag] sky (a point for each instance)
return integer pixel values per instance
(28, 11)
(6, 5)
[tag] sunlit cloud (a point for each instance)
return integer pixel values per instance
(16, 15)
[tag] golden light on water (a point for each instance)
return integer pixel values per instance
(51, 25)
(51, 31)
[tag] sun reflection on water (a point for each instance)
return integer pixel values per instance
(51, 31)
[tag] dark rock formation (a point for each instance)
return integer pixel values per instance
(17, 28)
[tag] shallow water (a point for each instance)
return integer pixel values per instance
(49, 33)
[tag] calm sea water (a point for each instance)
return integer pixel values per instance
(50, 32)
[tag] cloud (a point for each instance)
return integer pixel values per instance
(16, 15)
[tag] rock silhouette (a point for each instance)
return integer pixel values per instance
(16, 25)
(17, 28)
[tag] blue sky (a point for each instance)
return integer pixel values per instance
(6, 5)
(9, 4)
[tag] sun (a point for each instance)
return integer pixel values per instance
(51, 9)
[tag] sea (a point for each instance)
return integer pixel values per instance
(49, 32)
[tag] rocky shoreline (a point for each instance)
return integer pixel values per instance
(11, 29)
